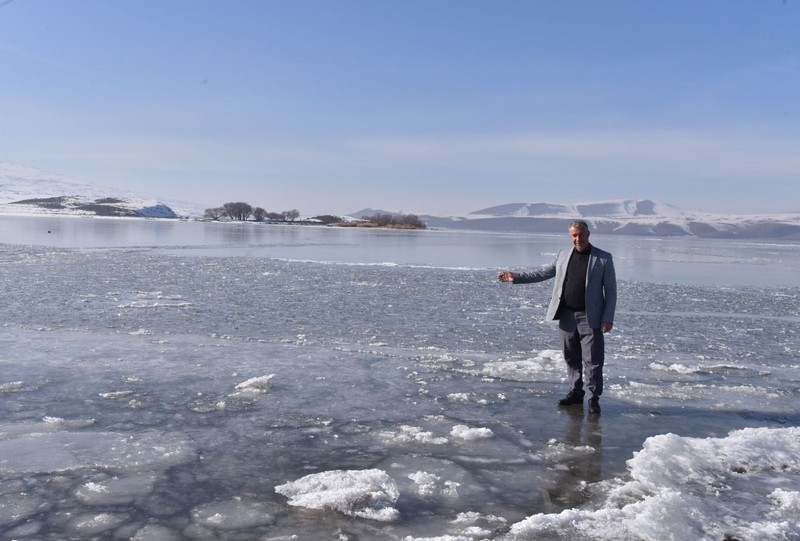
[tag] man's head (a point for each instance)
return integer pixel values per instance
(579, 234)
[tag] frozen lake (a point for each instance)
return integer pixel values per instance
(165, 380)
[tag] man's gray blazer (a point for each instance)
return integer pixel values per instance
(601, 284)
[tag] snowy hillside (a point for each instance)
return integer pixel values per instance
(627, 217)
(28, 190)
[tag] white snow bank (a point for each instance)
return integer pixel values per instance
(367, 494)
(743, 486)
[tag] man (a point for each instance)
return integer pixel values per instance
(584, 300)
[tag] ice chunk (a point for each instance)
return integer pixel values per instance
(257, 385)
(412, 434)
(441, 538)
(359, 493)
(12, 386)
(466, 433)
(429, 484)
(61, 424)
(426, 482)
(115, 395)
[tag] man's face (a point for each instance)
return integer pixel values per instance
(579, 237)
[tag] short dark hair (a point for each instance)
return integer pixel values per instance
(579, 224)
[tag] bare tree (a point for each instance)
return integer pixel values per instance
(214, 213)
(381, 219)
(259, 214)
(291, 215)
(238, 211)
(413, 221)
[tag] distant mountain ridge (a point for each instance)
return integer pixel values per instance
(641, 217)
(28, 190)
(622, 208)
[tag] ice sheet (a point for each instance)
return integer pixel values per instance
(149, 395)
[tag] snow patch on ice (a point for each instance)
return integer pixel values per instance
(94, 524)
(16, 387)
(116, 490)
(430, 484)
(547, 362)
(235, 514)
(412, 434)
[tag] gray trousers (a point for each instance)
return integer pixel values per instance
(584, 351)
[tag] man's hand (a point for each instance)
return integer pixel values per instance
(606, 326)
(506, 277)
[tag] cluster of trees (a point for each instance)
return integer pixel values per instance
(244, 211)
(410, 221)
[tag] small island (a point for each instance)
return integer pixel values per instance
(244, 212)
(392, 221)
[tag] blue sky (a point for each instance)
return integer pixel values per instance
(434, 106)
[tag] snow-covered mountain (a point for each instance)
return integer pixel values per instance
(625, 217)
(28, 190)
(628, 208)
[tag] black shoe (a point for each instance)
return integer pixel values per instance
(594, 406)
(572, 399)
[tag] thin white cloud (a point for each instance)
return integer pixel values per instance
(28, 55)
(687, 154)
(669, 153)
